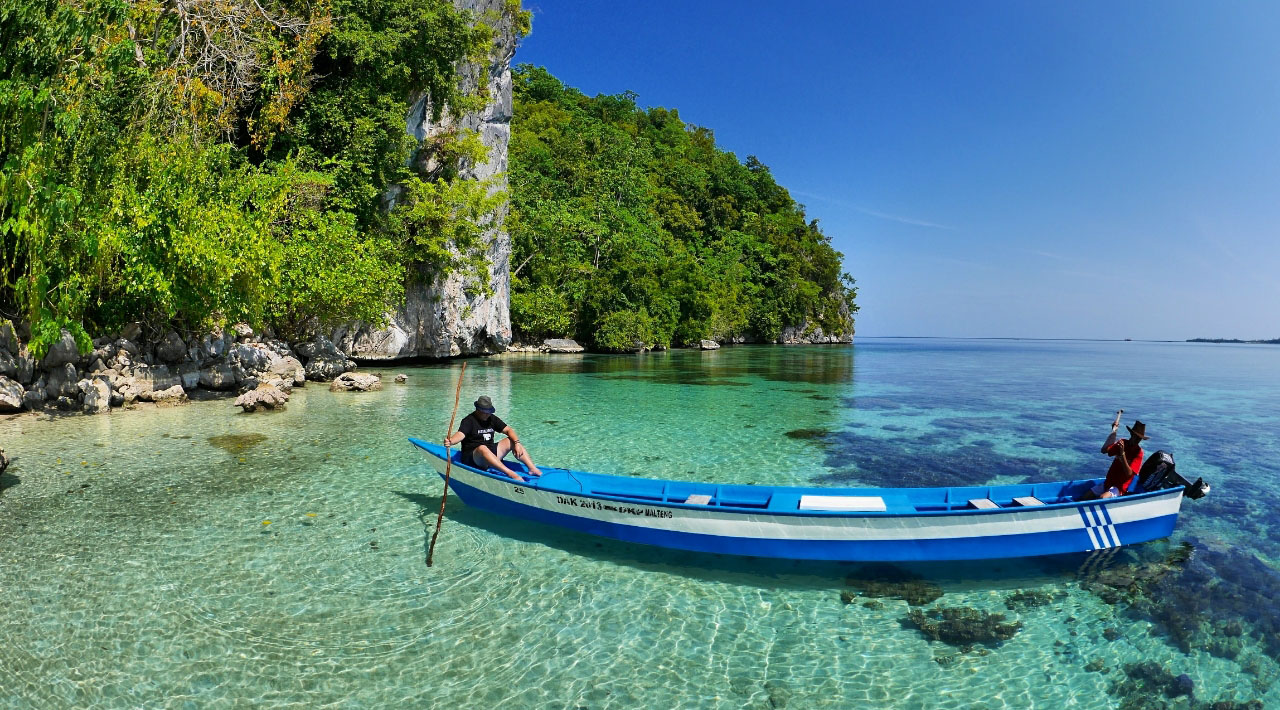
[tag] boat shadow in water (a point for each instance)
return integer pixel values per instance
(1011, 574)
(8, 480)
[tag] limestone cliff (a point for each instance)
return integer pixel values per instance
(439, 318)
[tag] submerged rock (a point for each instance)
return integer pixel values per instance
(962, 626)
(351, 382)
(1211, 599)
(889, 582)
(1146, 682)
(235, 443)
(808, 433)
(1022, 599)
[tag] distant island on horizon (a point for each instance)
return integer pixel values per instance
(1273, 341)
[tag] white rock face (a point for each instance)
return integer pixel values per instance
(803, 334)
(438, 318)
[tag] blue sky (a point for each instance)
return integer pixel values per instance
(1069, 169)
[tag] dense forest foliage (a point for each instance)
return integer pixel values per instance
(195, 162)
(629, 225)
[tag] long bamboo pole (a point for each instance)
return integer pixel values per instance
(448, 461)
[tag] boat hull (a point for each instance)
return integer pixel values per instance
(956, 535)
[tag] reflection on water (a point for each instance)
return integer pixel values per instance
(193, 556)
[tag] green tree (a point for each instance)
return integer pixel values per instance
(630, 225)
(189, 163)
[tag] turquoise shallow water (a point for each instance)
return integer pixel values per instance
(136, 568)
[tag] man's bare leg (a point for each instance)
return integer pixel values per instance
(527, 460)
(505, 446)
(496, 462)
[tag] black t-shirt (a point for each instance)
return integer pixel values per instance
(476, 432)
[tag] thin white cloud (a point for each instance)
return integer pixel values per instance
(904, 220)
(913, 221)
(1050, 255)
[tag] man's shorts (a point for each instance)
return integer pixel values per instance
(1097, 490)
(473, 459)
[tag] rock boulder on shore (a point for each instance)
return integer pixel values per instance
(562, 345)
(324, 360)
(709, 345)
(11, 394)
(171, 349)
(351, 382)
(62, 352)
(33, 399)
(264, 396)
(8, 338)
(62, 381)
(97, 395)
(171, 395)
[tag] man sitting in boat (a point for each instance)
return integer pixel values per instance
(1128, 455)
(476, 431)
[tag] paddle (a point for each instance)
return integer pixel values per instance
(448, 462)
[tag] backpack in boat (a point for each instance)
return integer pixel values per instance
(1159, 473)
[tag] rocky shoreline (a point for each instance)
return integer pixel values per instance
(791, 335)
(128, 368)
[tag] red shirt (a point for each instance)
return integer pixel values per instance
(1119, 476)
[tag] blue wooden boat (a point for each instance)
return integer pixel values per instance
(853, 524)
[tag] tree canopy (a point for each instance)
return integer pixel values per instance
(194, 162)
(629, 225)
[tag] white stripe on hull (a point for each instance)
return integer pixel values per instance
(827, 527)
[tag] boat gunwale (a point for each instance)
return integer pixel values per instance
(503, 478)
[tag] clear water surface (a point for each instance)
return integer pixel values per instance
(195, 557)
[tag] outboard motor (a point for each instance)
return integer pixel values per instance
(1159, 473)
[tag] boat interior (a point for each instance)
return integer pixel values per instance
(779, 499)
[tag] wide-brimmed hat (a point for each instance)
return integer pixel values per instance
(484, 404)
(1138, 429)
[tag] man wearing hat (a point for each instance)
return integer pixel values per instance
(1128, 460)
(479, 450)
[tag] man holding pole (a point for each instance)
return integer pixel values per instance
(477, 431)
(1128, 455)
